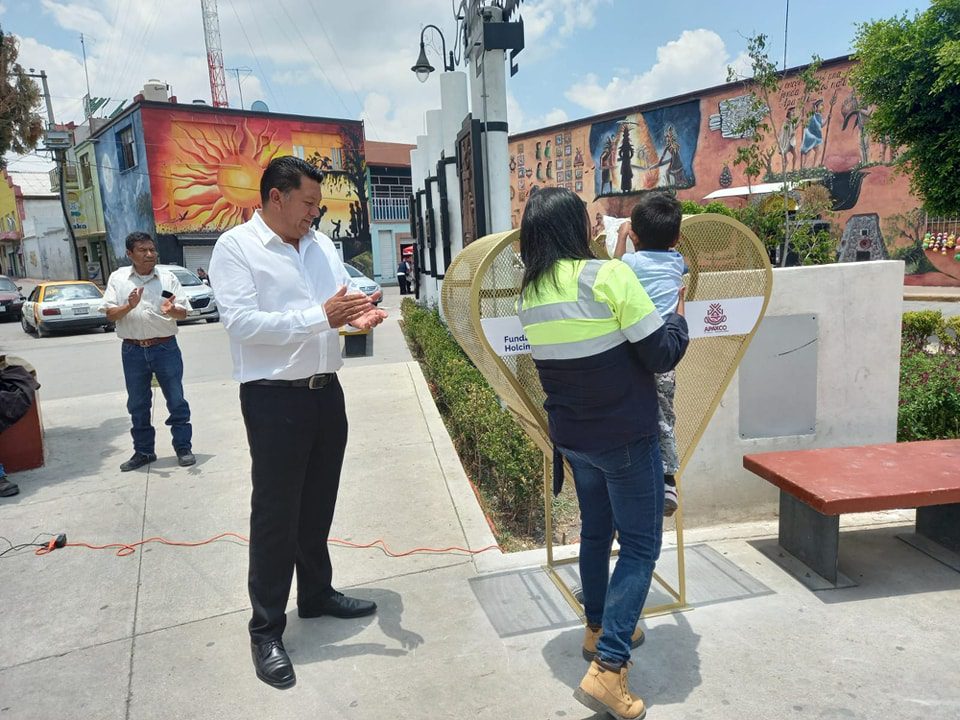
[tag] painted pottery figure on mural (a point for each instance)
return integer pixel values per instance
(625, 155)
(813, 133)
(788, 140)
(671, 158)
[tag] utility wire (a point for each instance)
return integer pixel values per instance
(344, 69)
(256, 59)
(313, 55)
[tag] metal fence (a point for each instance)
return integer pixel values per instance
(390, 209)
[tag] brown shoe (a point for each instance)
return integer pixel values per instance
(606, 691)
(591, 636)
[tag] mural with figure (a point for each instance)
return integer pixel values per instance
(645, 150)
(690, 146)
(205, 169)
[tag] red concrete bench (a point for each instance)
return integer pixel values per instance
(817, 486)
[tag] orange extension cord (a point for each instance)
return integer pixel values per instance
(124, 549)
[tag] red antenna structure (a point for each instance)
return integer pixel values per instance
(211, 36)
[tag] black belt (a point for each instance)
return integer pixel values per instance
(314, 382)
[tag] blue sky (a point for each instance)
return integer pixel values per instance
(352, 59)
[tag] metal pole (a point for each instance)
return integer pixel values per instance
(61, 158)
(46, 97)
(86, 74)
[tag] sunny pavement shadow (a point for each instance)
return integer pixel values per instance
(324, 639)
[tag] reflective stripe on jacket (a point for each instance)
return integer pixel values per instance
(596, 339)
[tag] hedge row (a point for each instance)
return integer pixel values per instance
(504, 465)
(929, 377)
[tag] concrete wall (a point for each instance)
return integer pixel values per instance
(46, 246)
(858, 307)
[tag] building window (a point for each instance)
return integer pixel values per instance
(86, 178)
(298, 152)
(128, 148)
(336, 158)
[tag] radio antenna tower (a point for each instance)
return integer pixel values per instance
(211, 36)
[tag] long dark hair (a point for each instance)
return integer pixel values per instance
(555, 226)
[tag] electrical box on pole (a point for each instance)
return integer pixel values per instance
(211, 36)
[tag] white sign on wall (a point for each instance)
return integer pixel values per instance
(725, 316)
(505, 335)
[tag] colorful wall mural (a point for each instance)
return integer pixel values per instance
(690, 146)
(205, 168)
(124, 182)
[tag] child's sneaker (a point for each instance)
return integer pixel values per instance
(671, 501)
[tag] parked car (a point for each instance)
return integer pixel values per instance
(64, 305)
(11, 299)
(362, 283)
(201, 305)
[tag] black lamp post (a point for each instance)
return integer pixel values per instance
(423, 68)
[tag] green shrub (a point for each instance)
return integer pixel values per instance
(929, 396)
(929, 406)
(918, 327)
(503, 463)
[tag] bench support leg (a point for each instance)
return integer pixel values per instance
(808, 545)
(937, 534)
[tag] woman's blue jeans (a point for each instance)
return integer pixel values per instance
(619, 490)
(140, 364)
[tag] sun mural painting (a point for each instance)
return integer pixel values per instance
(205, 174)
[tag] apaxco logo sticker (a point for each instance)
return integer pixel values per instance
(715, 318)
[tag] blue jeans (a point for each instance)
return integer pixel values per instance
(140, 364)
(622, 490)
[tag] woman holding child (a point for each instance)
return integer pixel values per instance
(597, 341)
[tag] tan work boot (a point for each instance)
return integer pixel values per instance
(605, 690)
(591, 636)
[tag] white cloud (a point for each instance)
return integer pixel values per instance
(697, 59)
(306, 57)
(547, 24)
(74, 16)
(3, 9)
(521, 121)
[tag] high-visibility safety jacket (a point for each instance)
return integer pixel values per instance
(597, 340)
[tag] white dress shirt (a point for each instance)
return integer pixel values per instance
(271, 301)
(145, 321)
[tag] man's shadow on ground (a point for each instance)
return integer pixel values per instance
(323, 639)
(666, 666)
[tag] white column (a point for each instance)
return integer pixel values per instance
(488, 94)
(453, 102)
(434, 121)
(416, 176)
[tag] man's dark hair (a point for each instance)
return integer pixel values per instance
(656, 220)
(137, 237)
(284, 173)
(555, 226)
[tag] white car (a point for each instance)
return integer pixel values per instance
(362, 283)
(201, 304)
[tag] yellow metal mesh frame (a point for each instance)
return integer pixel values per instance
(725, 260)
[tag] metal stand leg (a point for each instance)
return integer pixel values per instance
(808, 545)
(938, 534)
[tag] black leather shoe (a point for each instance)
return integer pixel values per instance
(185, 458)
(338, 605)
(272, 664)
(137, 460)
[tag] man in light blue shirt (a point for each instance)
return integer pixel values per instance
(654, 228)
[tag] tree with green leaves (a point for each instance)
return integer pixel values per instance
(20, 126)
(757, 124)
(908, 71)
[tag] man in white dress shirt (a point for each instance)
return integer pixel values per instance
(282, 292)
(142, 301)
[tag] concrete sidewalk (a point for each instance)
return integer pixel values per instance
(162, 633)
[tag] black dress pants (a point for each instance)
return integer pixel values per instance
(297, 438)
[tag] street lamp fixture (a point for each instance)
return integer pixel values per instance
(423, 68)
